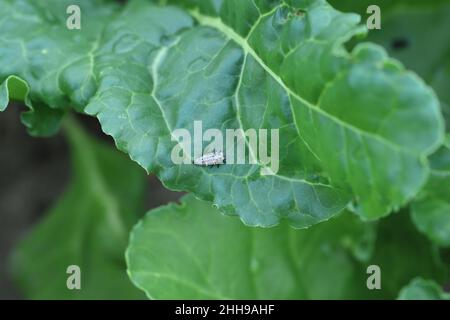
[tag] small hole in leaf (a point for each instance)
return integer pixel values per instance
(400, 43)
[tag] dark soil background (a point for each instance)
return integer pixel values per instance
(33, 174)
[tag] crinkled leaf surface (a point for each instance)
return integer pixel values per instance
(431, 210)
(406, 29)
(421, 289)
(410, 24)
(88, 227)
(13, 88)
(403, 253)
(36, 46)
(353, 126)
(188, 251)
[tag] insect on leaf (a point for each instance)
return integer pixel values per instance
(353, 126)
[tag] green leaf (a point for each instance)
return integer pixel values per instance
(421, 289)
(413, 22)
(431, 210)
(87, 227)
(188, 251)
(353, 126)
(40, 120)
(36, 46)
(410, 23)
(13, 88)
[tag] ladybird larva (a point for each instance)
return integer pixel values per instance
(210, 159)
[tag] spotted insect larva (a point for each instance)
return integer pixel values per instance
(210, 159)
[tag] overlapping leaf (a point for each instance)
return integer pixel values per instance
(410, 24)
(353, 126)
(431, 210)
(406, 33)
(189, 251)
(421, 289)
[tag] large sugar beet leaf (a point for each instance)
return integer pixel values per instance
(353, 126)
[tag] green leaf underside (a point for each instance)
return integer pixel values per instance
(353, 126)
(88, 227)
(40, 120)
(189, 251)
(421, 289)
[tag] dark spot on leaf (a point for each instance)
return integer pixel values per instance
(298, 12)
(167, 40)
(400, 43)
(294, 12)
